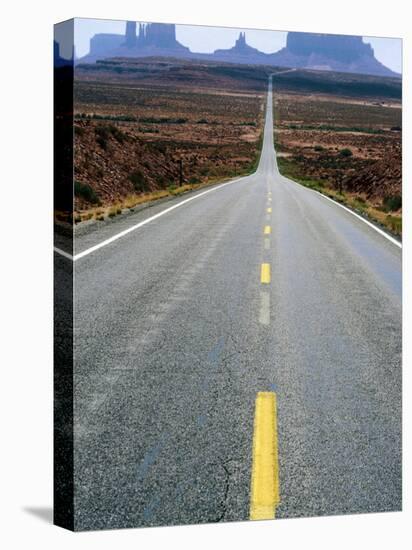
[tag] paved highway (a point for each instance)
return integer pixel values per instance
(259, 287)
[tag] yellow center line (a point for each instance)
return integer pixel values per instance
(269, 210)
(265, 496)
(267, 230)
(265, 273)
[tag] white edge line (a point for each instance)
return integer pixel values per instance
(373, 226)
(142, 223)
(380, 231)
(63, 253)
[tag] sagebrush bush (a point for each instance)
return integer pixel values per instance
(139, 181)
(394, 223)
(86, 192)
(103, 133)
(392, 203)
(79, 131)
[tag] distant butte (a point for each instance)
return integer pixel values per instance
(240, 49)
(303, 50)
(330, 52)
(154, 39)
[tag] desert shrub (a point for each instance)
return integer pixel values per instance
(103, 134)
(393, 203)
(162, 120)
(138, 180)
(86, 192)
(159, 147)
(394, 223)
(299, 158)
(162, 180)
(345, 152)
(118, 134)
(204, 170)
(79, 131)
(330, 162)
(146, 130)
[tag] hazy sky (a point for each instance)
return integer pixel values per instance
(208, 39)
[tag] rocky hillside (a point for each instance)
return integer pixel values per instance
(382, 179)
(111, 164)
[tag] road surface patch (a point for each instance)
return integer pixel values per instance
(266, 243)
(143, 223)
(264, 312)
(265, 274)
(264, 494)
(361, 218)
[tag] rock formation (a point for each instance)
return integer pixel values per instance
(153, 39)
(59, 61)
(303, 50)
(338, 47)
(131, 38)
(329, 52)
(241, 52)
(162, 36)
(102, 44)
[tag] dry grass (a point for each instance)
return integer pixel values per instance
(358, 203)
(133, 200)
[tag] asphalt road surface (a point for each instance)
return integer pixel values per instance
(259, 285)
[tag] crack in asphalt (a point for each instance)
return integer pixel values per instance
(223, 503)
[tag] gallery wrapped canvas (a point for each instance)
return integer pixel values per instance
(228, 275)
